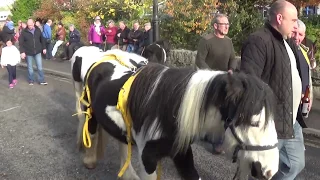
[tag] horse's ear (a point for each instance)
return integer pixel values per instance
(234, 87)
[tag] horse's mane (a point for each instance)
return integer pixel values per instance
(155, 97)
(245, 94)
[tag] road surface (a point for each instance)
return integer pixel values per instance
(37, 139)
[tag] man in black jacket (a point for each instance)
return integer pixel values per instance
(271, 55)
(32, 43)
(74, 42)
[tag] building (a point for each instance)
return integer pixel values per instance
(3, 17)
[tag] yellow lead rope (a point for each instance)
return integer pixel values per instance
(122, 107)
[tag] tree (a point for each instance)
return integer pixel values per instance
(23, 9)
(186, 20)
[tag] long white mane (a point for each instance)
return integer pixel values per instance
(190, 120)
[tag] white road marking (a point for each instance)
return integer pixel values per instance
(9, 109)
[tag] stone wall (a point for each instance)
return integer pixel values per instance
(184, 58)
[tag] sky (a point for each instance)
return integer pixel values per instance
(5, 2)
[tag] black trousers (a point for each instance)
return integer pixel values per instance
(69, 50)
(11, 73)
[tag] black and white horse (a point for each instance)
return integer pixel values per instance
(157, 52)
(81, 61)
(171, 108)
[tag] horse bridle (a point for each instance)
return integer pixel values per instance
(230, 123)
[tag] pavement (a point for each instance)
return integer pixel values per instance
(63, 69)
(37, 139)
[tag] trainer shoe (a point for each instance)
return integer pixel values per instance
(15, 82)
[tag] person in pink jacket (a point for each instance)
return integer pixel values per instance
(96, 33)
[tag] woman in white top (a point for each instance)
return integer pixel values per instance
(10, 57)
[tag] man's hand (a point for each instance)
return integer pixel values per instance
(119, 34)
(135, 40)
(67, 44)
(44, 51)
(90, 42)
(230, 71)
(23, 55)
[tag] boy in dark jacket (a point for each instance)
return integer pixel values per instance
(74, 40)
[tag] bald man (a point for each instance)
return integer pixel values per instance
(271, 55)
(31, 44)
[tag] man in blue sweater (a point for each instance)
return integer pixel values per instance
(47, 34)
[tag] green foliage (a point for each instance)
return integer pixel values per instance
(23, 9)
(244, 19)
(313, 31)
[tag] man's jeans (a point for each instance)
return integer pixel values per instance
(38, 60)
(292, 157)
(49, 50)
(132, 48)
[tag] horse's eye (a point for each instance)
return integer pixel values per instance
(255, 124)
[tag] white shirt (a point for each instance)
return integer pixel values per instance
(10, 55)
(296, 82)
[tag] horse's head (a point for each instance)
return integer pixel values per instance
(157, 52)
(246, 106)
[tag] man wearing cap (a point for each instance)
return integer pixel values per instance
(96, 33)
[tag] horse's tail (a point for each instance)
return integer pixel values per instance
(81, 117)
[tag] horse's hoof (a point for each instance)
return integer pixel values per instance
(90, 165)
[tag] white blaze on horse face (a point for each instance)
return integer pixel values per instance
(255, 136)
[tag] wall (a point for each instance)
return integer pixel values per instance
(184, 58)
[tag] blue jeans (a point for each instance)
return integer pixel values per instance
(292, 157)
(132, 48)
(49, 51)
(38, 60)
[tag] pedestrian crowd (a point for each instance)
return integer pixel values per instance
(35, 40)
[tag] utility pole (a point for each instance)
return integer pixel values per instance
(155, 21)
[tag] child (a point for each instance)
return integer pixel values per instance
(10, 58)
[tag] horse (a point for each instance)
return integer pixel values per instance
(170, 108)
(81, 62)
(157, 52)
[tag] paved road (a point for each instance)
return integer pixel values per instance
(37, 134)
